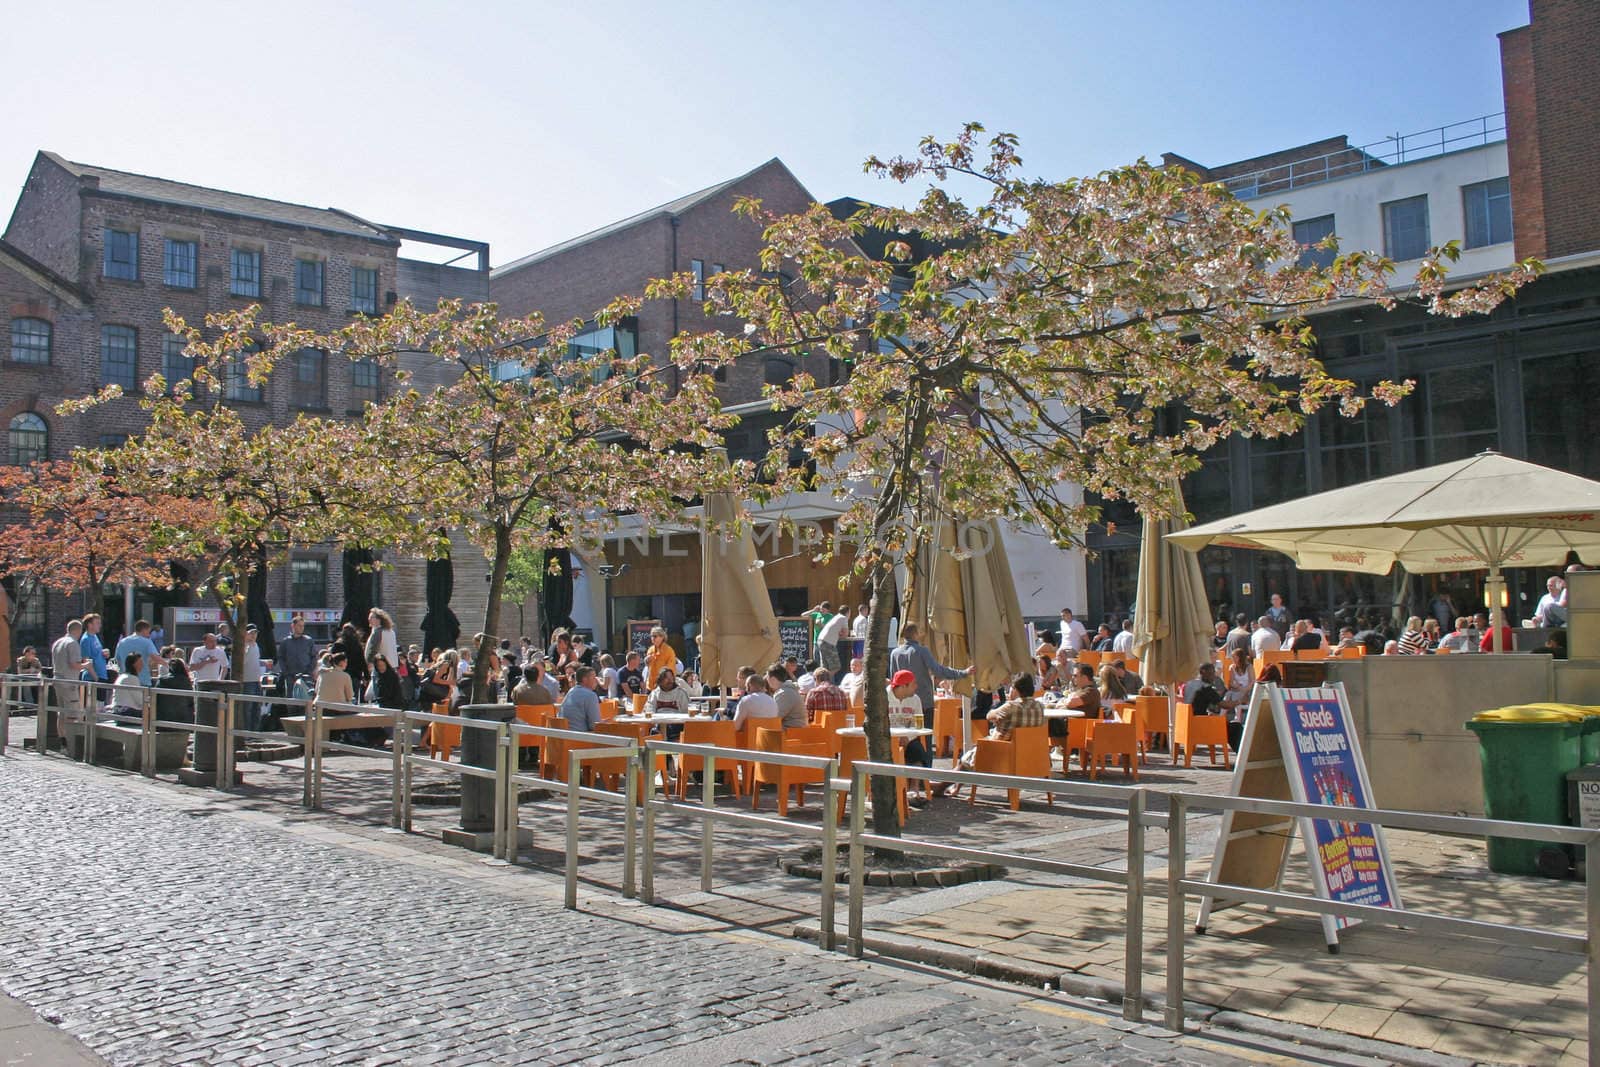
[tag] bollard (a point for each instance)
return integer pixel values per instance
(1177, 861)
(830, 856)
(1133, 931)
(147, 734)
(708, 825)
(858, 865)
(5, 715)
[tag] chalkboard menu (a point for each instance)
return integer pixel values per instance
(639, 634)
(795, 633)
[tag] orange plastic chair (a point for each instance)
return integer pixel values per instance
(533, 715)
(1132, 664)
(1271, 656)
(705, 732)
(855, 748)
(1310, 653)
(1114, 740)
(1079, 734)
(1190, 731)
(638, 703)
(1150, 716)
(440, 739)
(609, 709)
(1441, 651)
(832, 721)
(747, 740)
(784, 777)
(1115, 657)
(946, 724)
(553, 754)
(812, 735)
(636, 731)
(858, 699)
(1026, 754)
(1089, 657)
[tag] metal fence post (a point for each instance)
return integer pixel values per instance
(147, 733)
(91, 706)
(5, 716)
(574, 774)
(830, 856)
(1177, 861)
(1133, 934)
(858, 873)
(314, 752)
(647, 873)
(396, 769)
(513, 796)
(224, 741)
(708, 801)
(502, 776)
(1591, 870)
(630, 820)
(404, 740)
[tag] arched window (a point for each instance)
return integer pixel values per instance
(30, 341)
(778, 371)
(30, 439)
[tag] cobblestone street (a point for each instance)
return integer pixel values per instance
(159, 925)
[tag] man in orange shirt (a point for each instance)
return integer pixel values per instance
(657, 658)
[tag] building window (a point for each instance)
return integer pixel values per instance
(364, 290)
(1355, 448)
(1405, 228)
(1451, 414)
(364, 388)
(236, 384)
(310, 388)
(698, 268)
(1307, 234)
(779, 372)
(175, 365)
(1487, 206)
(29, 439)
(1277, 469)
(246, 279)
(110, 441)
(308, 276)
(1563, 423)
(308, 583)
(30, 341)
(178, 266)
(31, 601)
(122, 254)
(119, 356)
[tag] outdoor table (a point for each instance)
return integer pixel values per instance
(1063, 713)
(670, 718)
(904, 733)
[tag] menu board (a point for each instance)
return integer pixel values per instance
(795, 634)
(639, 634)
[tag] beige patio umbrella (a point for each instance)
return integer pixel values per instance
(935, 602)
(1487, 512)
(997, 635)
(1171, 619)
(737, 624)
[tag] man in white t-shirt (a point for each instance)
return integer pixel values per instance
(208, 662)
(852, 682)
(833, 631)
(1265, 637)
(858, 628)
(1123, 642)
(1074, 634)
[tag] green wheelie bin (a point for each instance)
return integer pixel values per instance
(1589, 741)
(1526, 754)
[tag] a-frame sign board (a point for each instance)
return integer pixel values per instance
(1301, 745)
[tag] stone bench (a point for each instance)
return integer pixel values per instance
(295, 725)
(118, 745)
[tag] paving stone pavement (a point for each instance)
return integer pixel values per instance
(158, 925)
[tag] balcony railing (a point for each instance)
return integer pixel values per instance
(1397, 148)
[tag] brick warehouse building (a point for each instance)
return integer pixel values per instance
(1521, 380)
(90, 259)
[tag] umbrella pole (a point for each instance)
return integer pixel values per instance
(1494, 590)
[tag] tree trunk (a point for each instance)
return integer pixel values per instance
(491, 615)
(885, 791)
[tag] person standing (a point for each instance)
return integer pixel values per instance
(1074, 634)
(1266, 637)
(139, 641)
(1123, 642)
(355, 655)
(297, 655)
(1239, 636)
(67, 661)
(909, 655)
(658, 657)
(1278, 616)
(93, 650)
(858, 626)
(208, 662)
(835, 630)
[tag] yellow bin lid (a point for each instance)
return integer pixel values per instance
(1528, 713)
(1583, 711)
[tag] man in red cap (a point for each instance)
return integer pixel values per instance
(906, 706)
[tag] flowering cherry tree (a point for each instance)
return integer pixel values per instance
(1096, 333)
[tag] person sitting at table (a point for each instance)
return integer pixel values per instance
(808, 677)
(581, 708)
(1111, 685)
(906, 706)
(825, 696)
(668, 697)
(1240, 679)
(1202, 693)
(756, 703)
(127, 692)
(1021, 710)
(1131, 682)
(387, 695)
(690, 683)
(1083, 696)
(791, 705)
(334, 685)
(1413, 642)
(853, 682)
(609, 675)
(630, 679)
(529, 690)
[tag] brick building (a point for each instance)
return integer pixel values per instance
(92, 256)
(1520, 380)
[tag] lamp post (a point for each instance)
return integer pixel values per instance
(610, 571)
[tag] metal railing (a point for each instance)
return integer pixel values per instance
(1132, 880)
(708, 815)
(1180, 886)
(1359, 159)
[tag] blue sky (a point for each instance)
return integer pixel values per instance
(527, 123)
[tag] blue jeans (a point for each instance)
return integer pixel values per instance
(250, 711)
